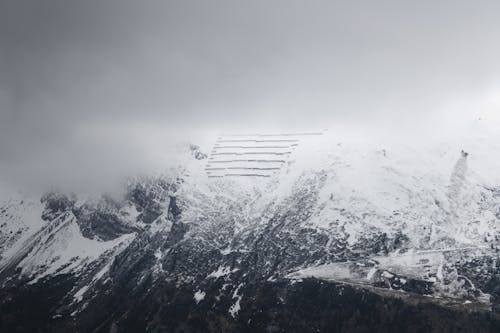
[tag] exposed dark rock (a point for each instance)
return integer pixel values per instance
(196, 152)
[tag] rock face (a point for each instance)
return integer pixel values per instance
(345, 238)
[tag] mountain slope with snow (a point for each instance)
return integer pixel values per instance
(411, 221)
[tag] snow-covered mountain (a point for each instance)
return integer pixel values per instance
(342, 230)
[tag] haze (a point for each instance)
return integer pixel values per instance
(129, 70)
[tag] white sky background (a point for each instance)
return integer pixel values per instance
(94, 84)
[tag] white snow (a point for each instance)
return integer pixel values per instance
(21, 217)
(103, 271)
(439, 273)
(371, 273)
(199, 296)
(66, 250)
(333, 272)
(236, 307)
(158, 254)
(418, 265)
(221, 271)
(79, 294)
(130, 211)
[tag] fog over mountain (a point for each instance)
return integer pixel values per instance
(71, 68)
(227, 161)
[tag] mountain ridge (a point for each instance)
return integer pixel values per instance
(349, 214)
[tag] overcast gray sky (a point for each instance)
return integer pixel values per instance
(68, 67)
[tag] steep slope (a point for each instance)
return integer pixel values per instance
(416, 224)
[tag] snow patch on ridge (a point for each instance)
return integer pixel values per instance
(66, 251)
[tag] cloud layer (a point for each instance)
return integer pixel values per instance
(69, 67)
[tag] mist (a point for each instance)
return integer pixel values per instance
(106, 85)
